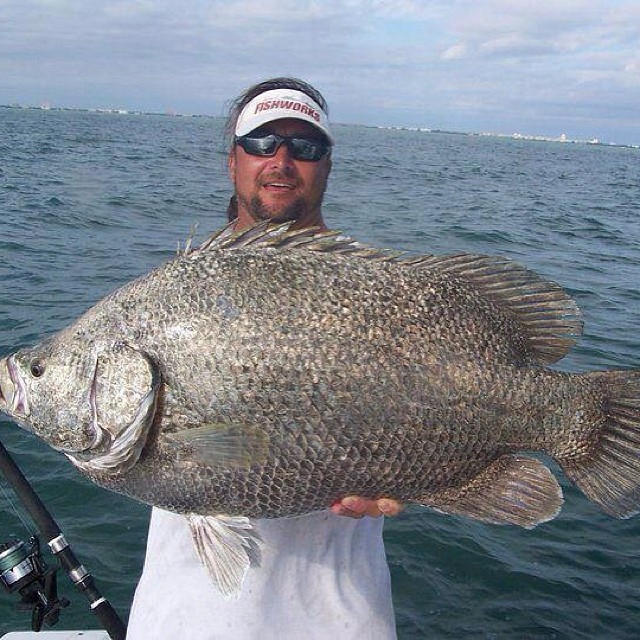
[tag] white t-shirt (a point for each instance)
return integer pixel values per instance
(322, 577)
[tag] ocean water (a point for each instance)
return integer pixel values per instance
(88, 201)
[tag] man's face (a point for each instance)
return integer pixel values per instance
(278, 187)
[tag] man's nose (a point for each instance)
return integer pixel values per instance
(282, 158)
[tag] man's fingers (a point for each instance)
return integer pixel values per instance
(351, 506)
(390, 507)
(357, 507)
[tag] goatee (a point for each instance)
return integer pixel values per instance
(290, 213)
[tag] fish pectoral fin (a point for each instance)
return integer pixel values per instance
(125, 449)
(225, 446)
(227, 547)
(511, 490)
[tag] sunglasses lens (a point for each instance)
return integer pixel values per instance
(263, 146)
(305, 149)
(300, 148)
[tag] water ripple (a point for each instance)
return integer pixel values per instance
(89, 201)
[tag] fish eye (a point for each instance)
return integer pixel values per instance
(37, 368)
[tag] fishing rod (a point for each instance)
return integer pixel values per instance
(22, 567)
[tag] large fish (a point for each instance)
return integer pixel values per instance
(270, 373)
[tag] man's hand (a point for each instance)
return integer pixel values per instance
(356, 507)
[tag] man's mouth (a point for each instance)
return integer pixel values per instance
(280, 186)
(278, 182)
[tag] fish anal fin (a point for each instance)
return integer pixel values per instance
(226, 446)
(511, 490)
(227, 546)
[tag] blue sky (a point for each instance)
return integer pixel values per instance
(536, 67)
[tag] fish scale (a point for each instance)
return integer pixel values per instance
(270, 373)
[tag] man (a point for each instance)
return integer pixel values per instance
(271, 181)
(321, 576)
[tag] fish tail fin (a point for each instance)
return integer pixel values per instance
(607, 470)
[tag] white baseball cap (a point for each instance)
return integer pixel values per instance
(277, 104)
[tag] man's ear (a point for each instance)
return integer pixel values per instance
(328, 167)
(231, 165)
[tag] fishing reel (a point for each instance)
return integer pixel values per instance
(23, 569)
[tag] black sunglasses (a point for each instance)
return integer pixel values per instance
(308, 149)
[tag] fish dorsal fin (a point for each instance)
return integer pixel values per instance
(551, 321)
(280, 236)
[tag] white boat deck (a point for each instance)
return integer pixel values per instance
(94, 634)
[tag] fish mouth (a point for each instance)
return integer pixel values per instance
(13, 392)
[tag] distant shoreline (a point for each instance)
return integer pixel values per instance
(513, 136)
(108, 110)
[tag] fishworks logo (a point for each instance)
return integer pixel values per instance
(290, 105)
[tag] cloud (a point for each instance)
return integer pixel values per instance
(503, 28)
(446, 63)
(454, 52)
(633, 68)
